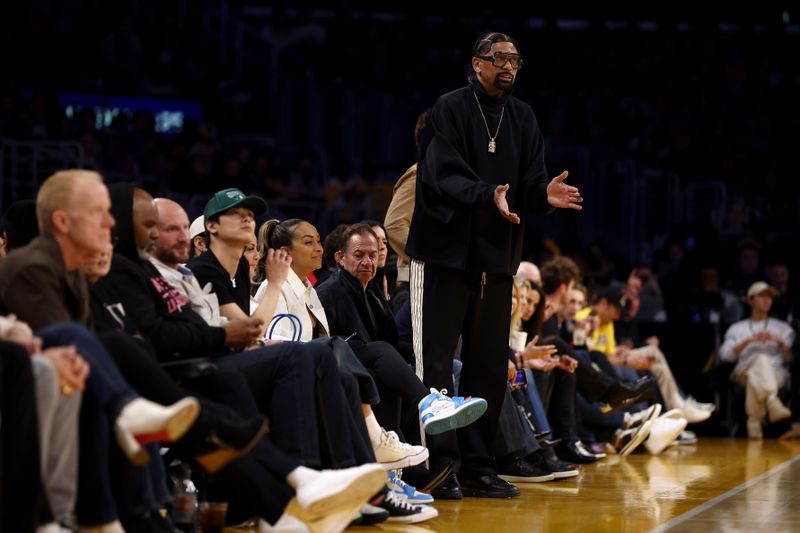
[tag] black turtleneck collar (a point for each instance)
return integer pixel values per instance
(487, 100)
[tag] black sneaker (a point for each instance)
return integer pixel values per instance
(559, 469)
(521, 471)
(403, 512)
(627, 440)
(638, 418)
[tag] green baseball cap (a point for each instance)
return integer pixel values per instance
(230, 198)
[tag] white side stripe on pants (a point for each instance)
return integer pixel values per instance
(417, 284)
(417, 279)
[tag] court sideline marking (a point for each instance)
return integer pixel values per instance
(724, 496)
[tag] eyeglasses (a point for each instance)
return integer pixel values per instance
(499, 59)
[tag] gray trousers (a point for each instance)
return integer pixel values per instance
(667, 385)
(58, 433)
(762, 381)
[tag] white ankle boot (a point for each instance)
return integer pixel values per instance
(142, 421)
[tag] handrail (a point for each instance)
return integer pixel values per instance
(24, 163)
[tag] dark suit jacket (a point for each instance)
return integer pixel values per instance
(35, 285)
(351, 309)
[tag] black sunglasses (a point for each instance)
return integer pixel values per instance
(499, 59)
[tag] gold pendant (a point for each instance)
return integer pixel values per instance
(492, 146)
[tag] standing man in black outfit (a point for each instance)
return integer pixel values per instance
(481, 163)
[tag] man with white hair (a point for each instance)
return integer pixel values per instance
(761, 347)
(529, 271)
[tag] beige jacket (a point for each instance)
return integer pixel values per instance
(398, 219)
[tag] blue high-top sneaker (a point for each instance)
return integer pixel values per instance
(439, 413)
(404, 490)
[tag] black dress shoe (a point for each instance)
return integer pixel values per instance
(426, 480)
(572, 452)
(488, 486)
(559, 469)
(449, 489)
(624, 394)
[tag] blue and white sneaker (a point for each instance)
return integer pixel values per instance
(438, 413)
(406, 491)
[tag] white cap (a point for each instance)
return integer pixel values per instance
(197, 227)
(760, 286)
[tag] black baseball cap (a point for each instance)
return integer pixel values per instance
(614, 297)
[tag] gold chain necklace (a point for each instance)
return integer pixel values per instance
(492, 144)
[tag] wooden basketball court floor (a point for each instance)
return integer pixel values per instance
(718, 484)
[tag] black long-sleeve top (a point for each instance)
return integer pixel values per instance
(155, 309)
(456, 223)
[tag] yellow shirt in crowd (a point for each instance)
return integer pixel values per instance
(603, 336)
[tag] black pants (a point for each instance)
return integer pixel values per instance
(396, 381)
(140, 368)
(298, 386)
(603, 364)
(557, 390)
(23, 504)
(446, 304)
(251, 487)
(591, 382)
(254, 485)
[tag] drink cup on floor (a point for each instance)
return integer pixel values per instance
(212, 516)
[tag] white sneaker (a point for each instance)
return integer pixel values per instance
(776, 411)
(664, 431)
(332, 489)
(694, 414)
(640, 417)
(334, 521)
(700, 405)
(391, 453)
(686, 438)
(141, 421)
(627, 440)
(287, 523)
(673, 413)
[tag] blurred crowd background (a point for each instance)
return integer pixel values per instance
(681, 128)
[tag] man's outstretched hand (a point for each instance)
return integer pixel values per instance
(502, 204)
(561, 195)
